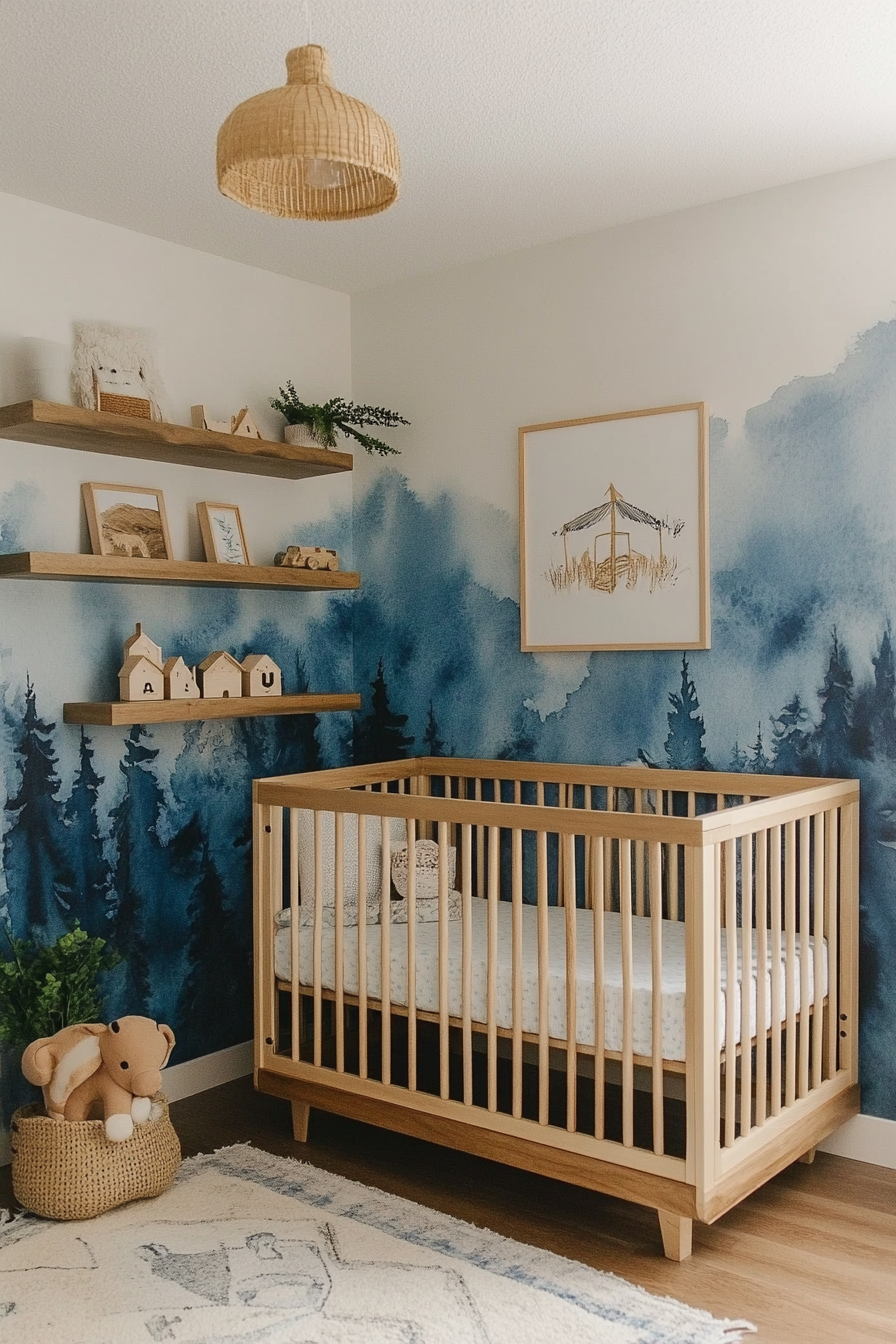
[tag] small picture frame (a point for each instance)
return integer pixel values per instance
(127, 520)
(223, 537)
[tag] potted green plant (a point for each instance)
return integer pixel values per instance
(311, 425)
(46, 988)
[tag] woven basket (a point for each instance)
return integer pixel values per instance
(69, 1169)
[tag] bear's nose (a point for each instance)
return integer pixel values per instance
(124, 1064)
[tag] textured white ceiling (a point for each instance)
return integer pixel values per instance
(519, 121)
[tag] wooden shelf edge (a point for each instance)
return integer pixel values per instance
(114, 713)
(127, 569)
(60, 426)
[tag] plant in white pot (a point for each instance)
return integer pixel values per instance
(311, 425)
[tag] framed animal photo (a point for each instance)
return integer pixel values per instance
(222, 534)
(127, 520)
(614, 531)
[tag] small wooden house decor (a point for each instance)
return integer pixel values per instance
(180, 680)
(140, 644)
(200, 419)
(261, 675)
(244, 425)
(220, 676)
(141, 679)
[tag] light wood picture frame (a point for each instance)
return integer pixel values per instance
(223, 538)
(127, 520)
(614, 531)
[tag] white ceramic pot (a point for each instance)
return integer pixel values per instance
(299, 436)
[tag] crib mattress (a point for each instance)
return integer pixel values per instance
(673, 977)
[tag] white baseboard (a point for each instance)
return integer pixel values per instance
(864, 1138)
(198, 1075)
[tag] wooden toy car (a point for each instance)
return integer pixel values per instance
(308, 557)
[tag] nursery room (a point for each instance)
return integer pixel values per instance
(447, 671)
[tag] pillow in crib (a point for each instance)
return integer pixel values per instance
(373, 859)
(426, 854)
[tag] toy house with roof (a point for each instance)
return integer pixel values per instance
(261, 675)
(180, 680)
(220, 676)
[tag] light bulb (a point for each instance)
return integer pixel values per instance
(324, 174)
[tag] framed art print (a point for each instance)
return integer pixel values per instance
(127, 520)
(614, 531)
(222, 534)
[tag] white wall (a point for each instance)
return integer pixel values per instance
(721, 303)
(228, 335)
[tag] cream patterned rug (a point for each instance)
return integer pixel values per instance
(257, 1249)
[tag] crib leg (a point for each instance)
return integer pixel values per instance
(300, 1113)
(808, 1158)
(677, 1235)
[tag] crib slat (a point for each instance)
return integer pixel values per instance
(541, 849)
(762, 1001)
(790, 962)
(318, 935)
(832, 866)
(362, 947)
(412, 953)
(656, 983)
(597, 856)
(516, 953)
(386, 952)
(729, 873)
(467, 959)
(818, 951)
(805, 1016)
(746, 983)
(444, 1059)
(628, 1064)
(295, 966)
(569, 886)
(480, 846)
(339, 938)
(494, 895)
(638, 805)
(775, 923)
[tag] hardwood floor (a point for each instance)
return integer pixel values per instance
(810, 1259)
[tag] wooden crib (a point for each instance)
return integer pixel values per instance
(639, 981)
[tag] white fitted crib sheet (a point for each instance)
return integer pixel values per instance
(673, 977)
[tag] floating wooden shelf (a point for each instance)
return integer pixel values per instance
(48, 422)
(110, 714)
(134, 569)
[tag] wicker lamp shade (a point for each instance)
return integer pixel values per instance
(307, 151)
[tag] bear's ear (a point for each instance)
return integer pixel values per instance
(169, 1037)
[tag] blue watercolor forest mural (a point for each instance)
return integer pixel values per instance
(145, 838)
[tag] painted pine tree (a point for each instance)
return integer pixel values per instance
(379, 735)
(684, 743)
(833, 736)
(215, 1004)
(759, 763)
(522, 741)
(792, 740)
(739, 759)
(433, 744)
(138, 871)
(36, 846)
(90, 866)
(883, 698)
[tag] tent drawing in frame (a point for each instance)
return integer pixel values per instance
(614, 531)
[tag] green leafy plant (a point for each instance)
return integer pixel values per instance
(336, 414)
(43, 989)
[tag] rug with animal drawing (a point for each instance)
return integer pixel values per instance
(257, 1249)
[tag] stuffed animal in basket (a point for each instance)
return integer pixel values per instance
(111, 1071)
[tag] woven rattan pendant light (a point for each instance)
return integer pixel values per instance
(307, 151)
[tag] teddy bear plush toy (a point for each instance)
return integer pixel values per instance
(108, 1071)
